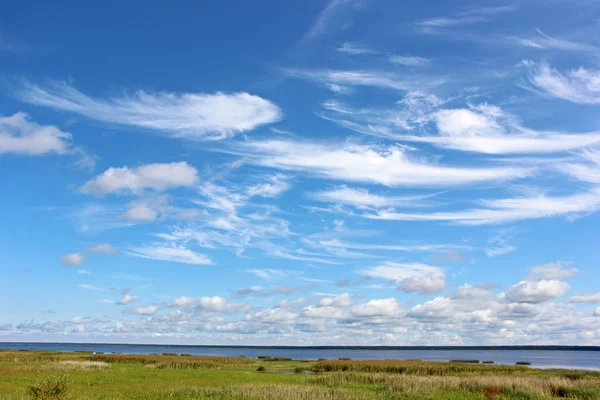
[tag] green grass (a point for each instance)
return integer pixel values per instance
(74, 376)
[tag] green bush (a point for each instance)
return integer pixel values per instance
(53, 388)
(261, 369)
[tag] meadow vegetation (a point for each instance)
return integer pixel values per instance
(44, 375)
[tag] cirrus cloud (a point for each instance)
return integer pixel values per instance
(198, 116)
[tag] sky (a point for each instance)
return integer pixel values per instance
(341, 172)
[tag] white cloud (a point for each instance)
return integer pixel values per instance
(332, 12)
(150, 310)
(441, 25)
(140, 211)
(377, 308)
(578, 86)
(507, 210)
(390, 247)
(597, 312)
(341, 301)
(378, 79)
(438, 308)
(183, 301)
(354, 49)
(409, 61)
(433, 283)
(558, 270)
(186, 115)
(134, 180)
(389, 165)
(71, 259)
(218, 304)
(480, 128)
(83, 272)
(544, 41)
(269, 273)
(276, 185)
(90, 287)
(20, 135)
(411, 278)
(127, 299)
(178, 254)
(362, 198)
(102, 248)
(585, 298)
(536, 291)
(500, 250)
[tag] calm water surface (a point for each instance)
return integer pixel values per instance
(539, 358)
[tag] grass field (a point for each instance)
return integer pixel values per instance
(56, 376)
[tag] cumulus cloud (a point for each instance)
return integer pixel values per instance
(536, 291)
(557, 270)
(177, 254)
(147, 209)
(156, 177)
(390, 166)
(597, 312)
(578, 86)
(20, 135)
(341, 301)
(127, 299)
(585, 298)
(411, 278)
(217, 304)
(102, 248)
(438, 308)
(183, 301)
(377, 308)
(71, 259)
(150, 310)
(198, 116)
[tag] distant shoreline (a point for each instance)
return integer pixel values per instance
(501, 347)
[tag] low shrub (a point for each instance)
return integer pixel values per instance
(53, 388)
(465, 361)
(523, 363)
(261, 369)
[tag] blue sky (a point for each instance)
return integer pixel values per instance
(323, 172)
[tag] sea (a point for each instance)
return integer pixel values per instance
(571, 357)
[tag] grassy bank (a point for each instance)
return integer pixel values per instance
(37, 374)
